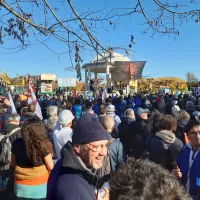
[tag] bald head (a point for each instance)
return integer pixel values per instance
(108, 123)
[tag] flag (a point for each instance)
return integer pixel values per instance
(104, 95)
(12, 103)
(32, 98)
(7, 78)
(75, 94)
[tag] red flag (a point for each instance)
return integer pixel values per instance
(75, 93)
(30, 84)
(32, 98)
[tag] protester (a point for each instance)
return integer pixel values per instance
(102, 112)
(32, 160)
(189, 160)
(190, 108)
(140, 130)
(88, 108)
(30, 113)
(52, 113)
(142, 179)
(11, 132)
(182, 119)
(125, 128)
(62, 132)
(78, 160)
(110, 110)
(77, 108)
(116, 152)
(164, 147)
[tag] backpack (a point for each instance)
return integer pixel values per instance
(137, 145)
(5, 148)
(163, 157)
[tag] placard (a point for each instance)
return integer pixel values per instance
(66, 82)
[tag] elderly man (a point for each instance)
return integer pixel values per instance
(78, 161)
(116, 152)
(189, 160)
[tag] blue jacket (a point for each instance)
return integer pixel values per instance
(117, 155)
(183, 163)
(71, 179)
(77, 110)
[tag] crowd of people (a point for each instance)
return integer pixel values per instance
(126, 147)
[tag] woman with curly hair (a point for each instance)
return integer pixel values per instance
(32, 160)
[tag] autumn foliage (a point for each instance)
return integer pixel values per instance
(80, 86)
(154, 84)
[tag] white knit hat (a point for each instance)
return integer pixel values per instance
(65, 117)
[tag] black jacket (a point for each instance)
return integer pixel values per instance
(180, 130)
(71, 179)
(7, 128)
(164, 148)
(125, 132)
(135, 141)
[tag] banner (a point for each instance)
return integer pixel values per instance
(46, 88)
(48, 77)
(127, 70)
(66, 82)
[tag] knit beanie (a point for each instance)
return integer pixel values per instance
(88, 129)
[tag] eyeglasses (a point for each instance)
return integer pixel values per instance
(97, 148)
(194, 132)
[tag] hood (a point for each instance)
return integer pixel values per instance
(29, 114)
(182, 123)
(167, 136)
(128, 120)
(9, 127)
(71, 160)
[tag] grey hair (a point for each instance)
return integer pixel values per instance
(183, 115)
(129, 113)
(51, 123)
(52, 111)
(13, 117)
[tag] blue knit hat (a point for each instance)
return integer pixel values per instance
(88, 129)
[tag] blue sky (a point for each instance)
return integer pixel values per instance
(165, 56)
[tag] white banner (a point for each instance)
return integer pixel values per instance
(66, 82)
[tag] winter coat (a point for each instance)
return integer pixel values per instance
(180, 130)
(136, 146)
(6, 129)
(117, 120)
(116, 153)
(164, 148)
(125, 132)
(194, 172)
(27, 115)
(160, 106)
(71, 179)
(77, 110)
